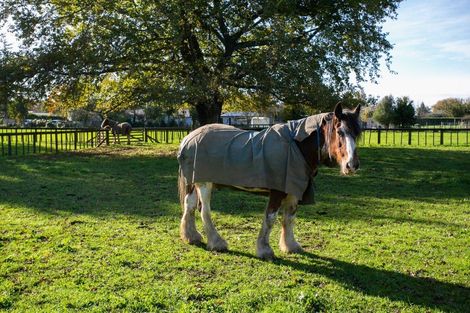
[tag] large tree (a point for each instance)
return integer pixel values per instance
(422, 110)
(452, 107)
(403, 112)
(383, 113)
(201, 52)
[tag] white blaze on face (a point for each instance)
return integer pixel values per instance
(350, 148)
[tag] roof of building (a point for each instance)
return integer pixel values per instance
(239, 114)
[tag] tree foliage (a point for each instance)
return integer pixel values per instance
(367, 113)
(422, 110)
(17, 109)
(383, 113)
(198, 52)
(452, 107)
(403, 112)
(397, 111)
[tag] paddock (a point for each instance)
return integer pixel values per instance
(97, 229)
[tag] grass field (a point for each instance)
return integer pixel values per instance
(98, 231)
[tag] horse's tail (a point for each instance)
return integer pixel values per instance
(183, 188)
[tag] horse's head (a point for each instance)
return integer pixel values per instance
(105, 123)
(341, 134)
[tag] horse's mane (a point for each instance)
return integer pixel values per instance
(108, 121)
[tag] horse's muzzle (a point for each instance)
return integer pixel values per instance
(353, 165)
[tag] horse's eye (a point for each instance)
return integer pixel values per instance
(341, 133)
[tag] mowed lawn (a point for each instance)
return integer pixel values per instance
(98, 231)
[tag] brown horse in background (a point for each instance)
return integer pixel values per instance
(118, 129)
(332, 143)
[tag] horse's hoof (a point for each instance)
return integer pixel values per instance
(266, 253)
(294, 247)
(192, 239)
(219, 245)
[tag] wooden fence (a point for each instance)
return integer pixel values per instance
(31, 142)
(24, 141)
(42, 140)
(415, 137)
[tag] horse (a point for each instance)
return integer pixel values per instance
(279, 162)
(117, 129)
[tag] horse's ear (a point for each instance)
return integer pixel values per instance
(357, 110)
(339, 110)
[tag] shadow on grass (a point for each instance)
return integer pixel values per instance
(145, 185)
(421, 291)
(91, 184)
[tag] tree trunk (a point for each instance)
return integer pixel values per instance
(209, 109)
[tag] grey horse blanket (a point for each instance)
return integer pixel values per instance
(269, 159)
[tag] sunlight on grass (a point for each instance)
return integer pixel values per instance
(98, 230)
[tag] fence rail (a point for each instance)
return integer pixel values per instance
(31, 141)
(19, 141)
(415, 136)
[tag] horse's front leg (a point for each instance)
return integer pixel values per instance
(287, 241)
(214, 241)
(263, 249)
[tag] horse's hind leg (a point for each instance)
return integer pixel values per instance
(214, 241)
(263, 249)
(287, 241)
(188, 231)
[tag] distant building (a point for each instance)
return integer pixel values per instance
(184, 118)
(245, 119)
(259, 121)
(83, 118)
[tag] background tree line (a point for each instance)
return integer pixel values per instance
(401, 111)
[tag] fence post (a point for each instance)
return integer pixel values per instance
(56, 141)
(442, 136)
(75, 139)
(9, 145)
(145, 135)
(107, 137)
(409, 137)
(378, 136)
(34, 141)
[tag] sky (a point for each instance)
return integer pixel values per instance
(431, 53)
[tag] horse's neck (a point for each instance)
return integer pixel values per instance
(311, 150)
